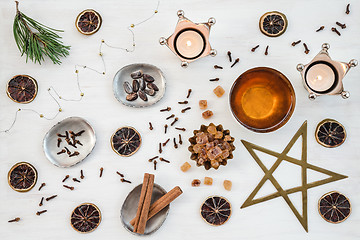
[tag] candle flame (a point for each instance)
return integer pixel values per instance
(188, 43)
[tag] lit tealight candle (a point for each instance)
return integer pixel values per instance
(320, 77)
(189, 44)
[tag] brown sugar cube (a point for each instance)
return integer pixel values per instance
(208, 181)
(185, 167)
(219, 91)
(227, 185)
(207, 114)
(196, 183)
(203, 104)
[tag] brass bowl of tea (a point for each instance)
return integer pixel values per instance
(262, 99)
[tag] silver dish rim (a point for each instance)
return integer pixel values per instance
(134, 64)
(47, 133)
(157, 228)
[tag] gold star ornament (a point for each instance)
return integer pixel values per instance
(302, 132)
(190, 41)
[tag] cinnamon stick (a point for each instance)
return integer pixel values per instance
(144, 203)
(141, 200)
(162, 202)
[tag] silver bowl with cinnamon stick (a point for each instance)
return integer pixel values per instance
(147, 206)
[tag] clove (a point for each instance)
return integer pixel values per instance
(341, 25)
(153, 158)
(42, 185)
(72, 144)
(254, 48)
(347, 9)
(267, 50)
(124, 180)
(164, 144)
(164, 160)
(185, 109)
(175, 120)
(184, 102)
(14, 220)
(218, 67)
(171, 116)
(214, 79)
(336, 31)
(67, 151)
(175, 144)
(121, 175)
(61, 152)
(77, 142)
(58, 142)
(306, 48)
(66, 177)
(165, 128)
(68, 187)
(41, 202)
(189, 92)
(79, 133)
(165, 109)
(150, 126)
(76, 180)
(52, 197)
(101, 171)
(74, 154)
(41, 212)
(295, 43)
(68, 141)
(60, 135)
(235, 62)
(160, 150)
(180, 140)
(229, 55)
(155, 162)
(320, 29)
(81, 174)
(181, 129)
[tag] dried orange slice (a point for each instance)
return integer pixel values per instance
(22, 177)
(330, 133)
(273, 24)
(126, 141)
(334, 207)
(216, 210)
(22, 89)
(85, 218)
(88, 22)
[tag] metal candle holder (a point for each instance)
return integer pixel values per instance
(183, 24)
(340, 69)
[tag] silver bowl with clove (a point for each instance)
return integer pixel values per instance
(69, 142)
(130, 205)
(139, 85)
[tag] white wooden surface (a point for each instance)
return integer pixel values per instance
(236, 30)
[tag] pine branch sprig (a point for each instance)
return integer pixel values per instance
(36, 40)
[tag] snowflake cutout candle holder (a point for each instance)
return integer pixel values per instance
(190, 41)
(324, 76)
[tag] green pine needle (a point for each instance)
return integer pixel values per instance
(36, 40)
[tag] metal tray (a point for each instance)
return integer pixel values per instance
(129, 208)
(124, 75)
(76, 124)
